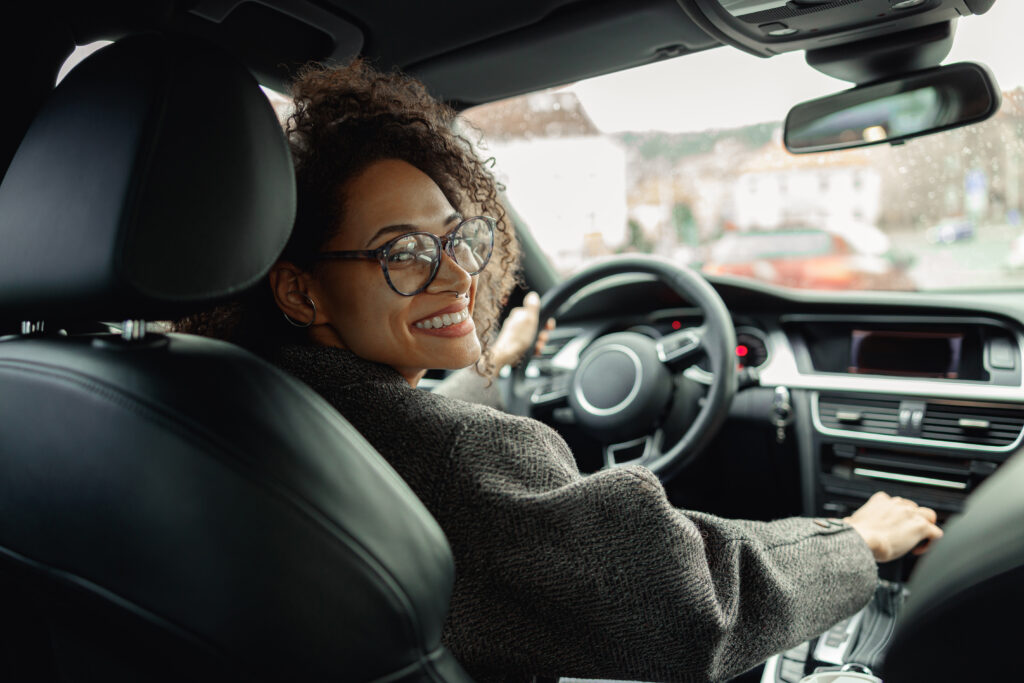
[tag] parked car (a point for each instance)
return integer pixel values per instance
(951, 230)
(805, 258)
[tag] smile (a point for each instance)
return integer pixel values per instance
(439, 321)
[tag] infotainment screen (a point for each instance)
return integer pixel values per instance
(907, 354)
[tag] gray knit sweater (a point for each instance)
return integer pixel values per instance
(559, 574)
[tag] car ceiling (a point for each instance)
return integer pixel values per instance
(466, 51)
(469, 51)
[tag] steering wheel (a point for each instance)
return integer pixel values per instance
(628, 390)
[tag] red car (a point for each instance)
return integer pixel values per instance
(804, 258)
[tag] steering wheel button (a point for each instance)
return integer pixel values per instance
(677, 345)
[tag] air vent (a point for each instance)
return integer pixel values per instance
(860, 414)
(981, 426)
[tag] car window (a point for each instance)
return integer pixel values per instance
(684, 158)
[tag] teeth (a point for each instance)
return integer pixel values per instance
(439, 321)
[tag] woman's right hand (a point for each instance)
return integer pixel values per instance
(519, 331)
(894, 526)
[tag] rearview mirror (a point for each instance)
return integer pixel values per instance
(892, 111)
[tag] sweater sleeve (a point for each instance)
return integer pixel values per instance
(559, 574)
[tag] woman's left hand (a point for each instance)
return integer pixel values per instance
(519, 330)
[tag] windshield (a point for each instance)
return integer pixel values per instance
(684, 158)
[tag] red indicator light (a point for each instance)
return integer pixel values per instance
(676, 325)
(742, 351)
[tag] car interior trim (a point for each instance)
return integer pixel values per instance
(781, 369)
(824, 24)
(910, 319)
(909, 478)
(907, 440)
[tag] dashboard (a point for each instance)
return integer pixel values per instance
(917, 394)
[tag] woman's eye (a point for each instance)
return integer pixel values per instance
(401, 256)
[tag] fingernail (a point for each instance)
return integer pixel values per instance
(532, 298)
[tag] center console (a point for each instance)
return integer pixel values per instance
(910, 406)
(923, 408)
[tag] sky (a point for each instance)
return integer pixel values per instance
(673, 95)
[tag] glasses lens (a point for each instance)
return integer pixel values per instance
(411, 261)
(473, 243)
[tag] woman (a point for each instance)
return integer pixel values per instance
(389, 272)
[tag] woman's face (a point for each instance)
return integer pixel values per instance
(357, 310)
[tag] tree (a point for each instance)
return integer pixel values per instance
(636, 240)
(685, 224)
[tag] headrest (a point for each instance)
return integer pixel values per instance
(155, 178)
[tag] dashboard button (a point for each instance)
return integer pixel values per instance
(911, 417)
(1001, 354)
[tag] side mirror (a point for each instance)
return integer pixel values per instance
(894, 110)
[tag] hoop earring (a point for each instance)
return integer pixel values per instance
(291, 321)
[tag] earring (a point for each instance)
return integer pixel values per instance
(312, 305)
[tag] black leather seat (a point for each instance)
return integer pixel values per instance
(961, 621)
(172, 507)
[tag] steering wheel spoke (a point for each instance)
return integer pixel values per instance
(634, 451)
(699, 375)
(681, 349)
(551, 391)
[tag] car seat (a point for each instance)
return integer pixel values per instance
(967, 593)
(173, 507)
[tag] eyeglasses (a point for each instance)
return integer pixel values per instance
(410, 262)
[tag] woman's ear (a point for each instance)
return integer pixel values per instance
(290, 286)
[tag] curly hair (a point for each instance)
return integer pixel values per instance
(344, 120)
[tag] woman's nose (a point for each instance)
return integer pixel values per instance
(450, 276)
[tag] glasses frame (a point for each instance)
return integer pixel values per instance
(444, 243)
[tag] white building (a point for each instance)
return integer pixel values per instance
(569, 189)
(776, 189)
(564, 177)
